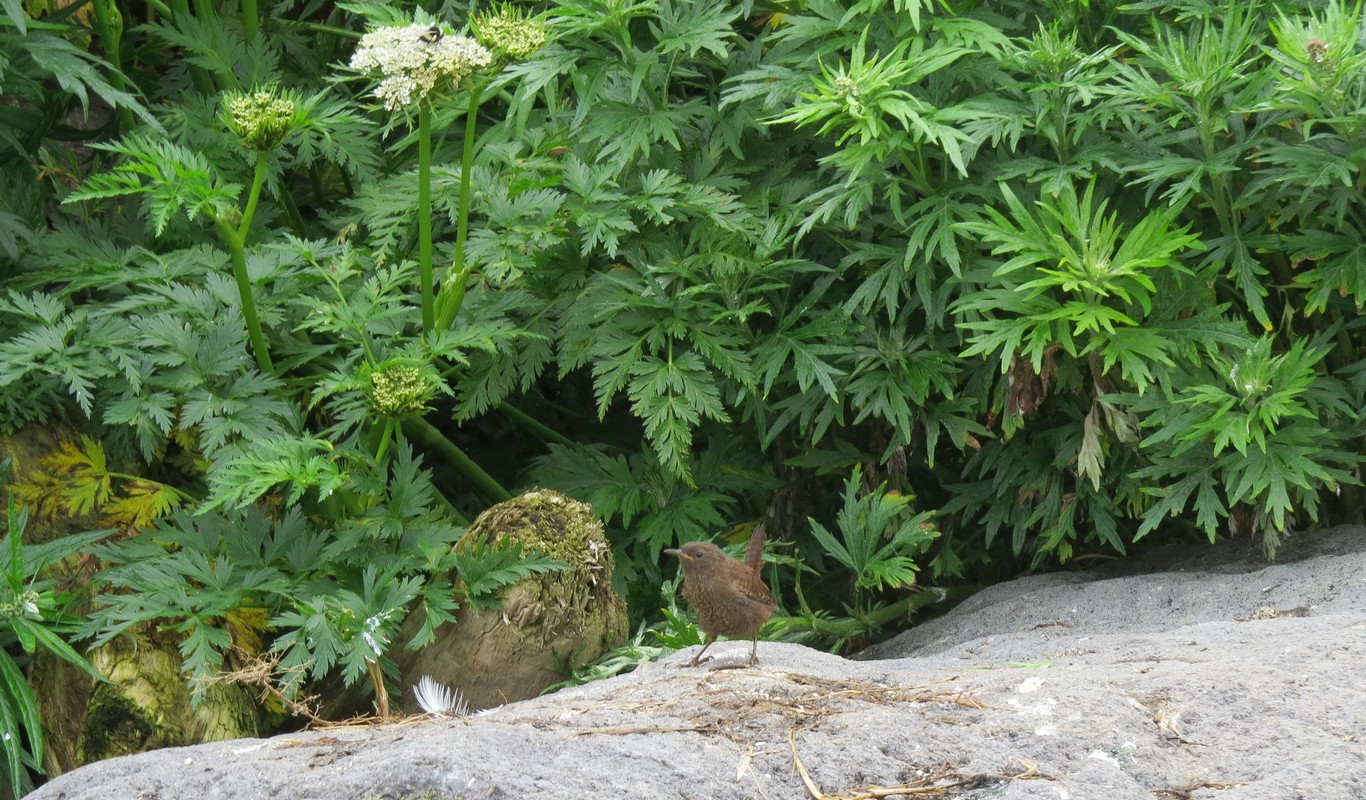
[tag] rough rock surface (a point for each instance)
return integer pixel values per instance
(1199, 673)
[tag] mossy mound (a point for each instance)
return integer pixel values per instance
(547, 624)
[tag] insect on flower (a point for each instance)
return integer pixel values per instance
(415, 61)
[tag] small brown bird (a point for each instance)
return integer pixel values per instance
(728, 595)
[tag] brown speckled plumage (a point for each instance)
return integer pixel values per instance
(728, 595)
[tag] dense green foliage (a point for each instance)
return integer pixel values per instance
(972, 289)
(337, 594)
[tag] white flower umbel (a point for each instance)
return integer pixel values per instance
(437, 698)
(415, 61)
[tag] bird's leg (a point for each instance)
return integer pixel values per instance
(754, 651)
(698, 659)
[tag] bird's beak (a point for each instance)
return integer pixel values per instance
(675, 552)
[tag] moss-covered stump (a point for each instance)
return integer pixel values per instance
(547, 624)
(144, 706)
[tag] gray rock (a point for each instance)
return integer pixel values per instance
(1196, 673)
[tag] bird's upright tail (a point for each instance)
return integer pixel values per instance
(754, 552)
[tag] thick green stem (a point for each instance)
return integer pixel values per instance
(424, 216)
(446, 504)
(109, 25)
(236, 239)
(199, 76)
(258, 179)
(207, 13)
(454, 296)
(424, 432)
(1063, 147)
(386, 436)
(251, 20)
(236, 250)
(318, 27)
(537, 428)
(1219, 195)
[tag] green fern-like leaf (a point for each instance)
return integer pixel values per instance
(172, 179)
(671, 398)
(485, 568)
(248, 473)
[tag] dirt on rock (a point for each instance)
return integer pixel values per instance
(1191, 674)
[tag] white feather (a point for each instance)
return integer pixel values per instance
(438, 698)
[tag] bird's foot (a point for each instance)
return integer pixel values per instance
(698, 659)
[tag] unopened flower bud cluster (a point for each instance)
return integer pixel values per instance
(261, 119)
(511, 34)
(399, 389)
(413, 62)
(849, 90)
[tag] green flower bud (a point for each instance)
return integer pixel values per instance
(399, 388)
(510, 33)
(261, 119)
